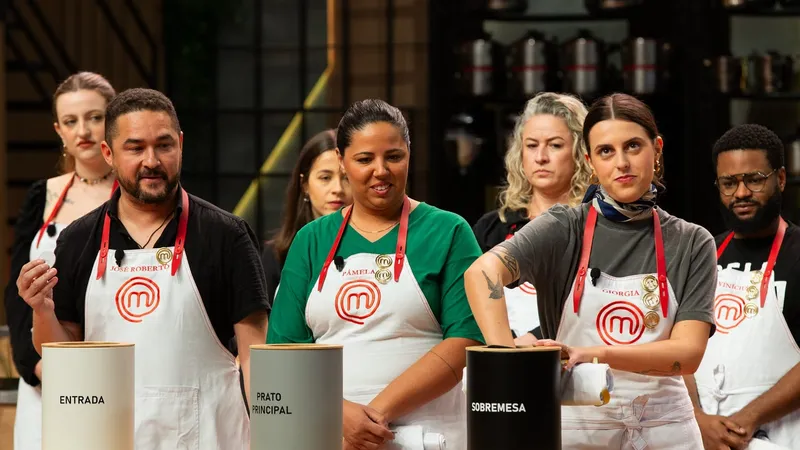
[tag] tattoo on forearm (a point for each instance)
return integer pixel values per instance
(495, 289)
(676, 369)
(507, 260)
(52, 197)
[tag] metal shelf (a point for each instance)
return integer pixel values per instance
(793, 12)
(505, 17)
(778, 96)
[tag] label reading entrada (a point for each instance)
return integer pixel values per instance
(498, 407)
(81, 400)
(270, 409)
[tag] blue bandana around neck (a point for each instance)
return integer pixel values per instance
(617, 211)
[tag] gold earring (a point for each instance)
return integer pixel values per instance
(593, 178)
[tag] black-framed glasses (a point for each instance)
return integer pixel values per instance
(753, 181)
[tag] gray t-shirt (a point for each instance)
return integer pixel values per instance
(548, 251)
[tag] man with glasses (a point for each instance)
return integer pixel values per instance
(747, 389)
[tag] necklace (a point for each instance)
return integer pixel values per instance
(91, 182)
(372, 232)
(156, 230)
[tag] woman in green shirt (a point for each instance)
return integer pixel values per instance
(384, 278)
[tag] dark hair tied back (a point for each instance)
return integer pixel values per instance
(366, 112)
(626, 107)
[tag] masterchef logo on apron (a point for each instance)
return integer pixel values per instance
(621, 322)
(357, 300)
(136, 298)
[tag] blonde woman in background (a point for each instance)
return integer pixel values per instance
(545, 166)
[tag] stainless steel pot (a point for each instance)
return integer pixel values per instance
(477, 66)
(583, 59)
(529, 61)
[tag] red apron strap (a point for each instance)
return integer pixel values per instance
(179, 240)
(661, 264)
(511, 231)
(102, 262)
(334, 247)
(400, 252)
(56, 209)
(724, 245)
(586, 251)
(773, 255)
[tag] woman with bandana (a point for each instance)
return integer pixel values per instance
(620, 280)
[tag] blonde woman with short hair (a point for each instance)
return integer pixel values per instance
(545, 166)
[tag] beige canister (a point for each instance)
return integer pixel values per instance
(88, 396)
(296, 397)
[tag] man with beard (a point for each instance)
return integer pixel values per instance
(748, 386)
(165, 270)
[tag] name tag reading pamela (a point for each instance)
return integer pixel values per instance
(498, 407)
(270, 404)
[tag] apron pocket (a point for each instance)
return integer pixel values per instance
(167, 418)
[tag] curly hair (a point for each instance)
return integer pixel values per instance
(750, 136)
(517, 193)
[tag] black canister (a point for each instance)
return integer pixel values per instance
(503, 414)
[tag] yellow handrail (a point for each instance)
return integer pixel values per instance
(246, 203)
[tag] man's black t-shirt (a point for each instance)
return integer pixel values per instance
(786, 272)
(221, 249)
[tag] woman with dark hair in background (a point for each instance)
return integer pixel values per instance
(618, 279)
(317, 188)
(79, 105)
(404, 330)
(545, 165)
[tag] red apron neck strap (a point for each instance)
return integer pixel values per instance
(332, 252)
(773, 256)
(400, 249)
(402, 235)
(661, 264)
(180, 239)
(724, 245)
(586, 251)
(56, 209)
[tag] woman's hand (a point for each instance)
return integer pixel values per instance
(525, 340)
(576, 355)
(364, 428)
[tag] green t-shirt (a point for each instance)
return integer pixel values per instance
(440, 247)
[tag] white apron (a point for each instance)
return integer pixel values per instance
(523, 311)
(645, 412)
(376, 309)
(521, 303)
(28, 420)
(752, 348)
(187, 384)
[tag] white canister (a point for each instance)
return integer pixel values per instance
(88, 396)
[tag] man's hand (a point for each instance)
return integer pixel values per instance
(720, 433)
(364, 428)
(35, 285)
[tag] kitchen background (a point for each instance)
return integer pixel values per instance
(253, 79)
